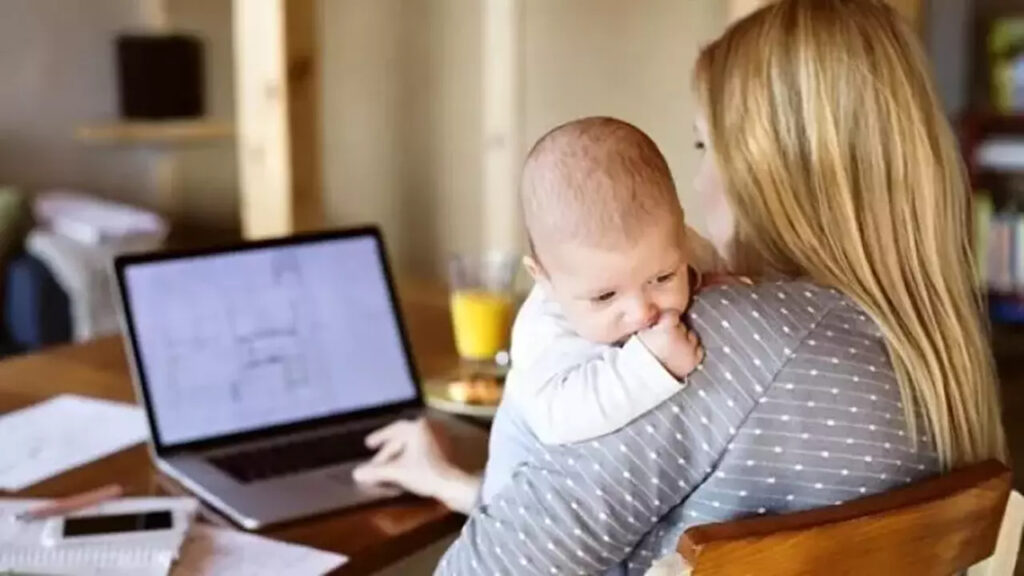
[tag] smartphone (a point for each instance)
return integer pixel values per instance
(80, 526)
(112, 527)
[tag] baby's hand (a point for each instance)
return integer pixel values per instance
(673, 344)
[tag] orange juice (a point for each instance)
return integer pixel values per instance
(482, 322)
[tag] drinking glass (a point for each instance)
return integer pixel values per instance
(482, 304)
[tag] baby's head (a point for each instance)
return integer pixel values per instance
(607, 237)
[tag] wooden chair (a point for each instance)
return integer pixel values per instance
(939, 527)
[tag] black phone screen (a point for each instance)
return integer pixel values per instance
(117, 523)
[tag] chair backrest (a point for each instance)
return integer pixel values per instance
(939, 527)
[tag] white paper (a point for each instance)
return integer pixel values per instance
(213, 551)
(62, 433)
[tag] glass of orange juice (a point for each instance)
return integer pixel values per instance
(482, 304)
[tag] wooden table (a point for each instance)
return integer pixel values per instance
(372, 537)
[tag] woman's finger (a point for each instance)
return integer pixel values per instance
(364, 474)
(382, 435)
(392, 474)
(374, 474)
(388, 451)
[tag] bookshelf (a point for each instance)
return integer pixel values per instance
(993, 147)
(161, 140)
(276, 128)
(163, 133)
(981, 128)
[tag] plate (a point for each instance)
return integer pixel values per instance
(444, 404)
(436, 394)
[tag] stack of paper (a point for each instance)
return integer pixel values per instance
(93, 220)
(68, 431)
(23, 547)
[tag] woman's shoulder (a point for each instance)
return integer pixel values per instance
(798, 333)
(792, 295)
(827, 424)
(771, 325)
(770, 314)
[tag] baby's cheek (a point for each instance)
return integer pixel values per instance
(678, 297)
(608, 329)
(593, 326)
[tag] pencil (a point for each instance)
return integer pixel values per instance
(73, 503)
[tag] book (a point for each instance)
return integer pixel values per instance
(983, 209)
(1001, 154)
(1006, 54)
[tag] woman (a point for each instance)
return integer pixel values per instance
(827, 159)
(838, 165)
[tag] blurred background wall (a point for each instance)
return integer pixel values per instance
(403, 81)
(57, 69)
(402, 110)
(403, 101)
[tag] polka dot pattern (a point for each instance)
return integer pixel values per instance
(808, 424)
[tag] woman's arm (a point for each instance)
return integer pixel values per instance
(458, 490)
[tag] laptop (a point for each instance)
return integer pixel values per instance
(262, 367)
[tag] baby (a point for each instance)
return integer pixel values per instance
(600, 339)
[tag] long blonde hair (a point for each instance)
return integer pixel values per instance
(841, 167)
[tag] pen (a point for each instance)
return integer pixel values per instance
(70, 504)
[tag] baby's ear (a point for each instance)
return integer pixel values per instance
(535, 270)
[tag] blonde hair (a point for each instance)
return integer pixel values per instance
(841, 167)
(597, 180)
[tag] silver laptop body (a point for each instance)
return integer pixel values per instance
(263, 366)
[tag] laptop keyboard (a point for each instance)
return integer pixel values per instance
(296, 456)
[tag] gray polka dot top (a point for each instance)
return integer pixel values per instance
(795, 407)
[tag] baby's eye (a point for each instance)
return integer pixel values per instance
(664, 278)
(602, 298)
(699, 145)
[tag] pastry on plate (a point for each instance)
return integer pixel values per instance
(476, 390)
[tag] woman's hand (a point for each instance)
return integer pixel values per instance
(416, 456)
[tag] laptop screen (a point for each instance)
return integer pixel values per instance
(241, 341)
